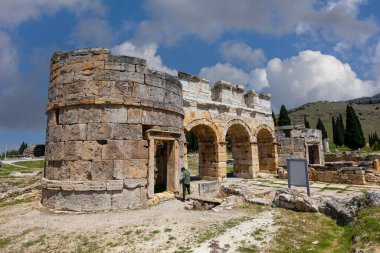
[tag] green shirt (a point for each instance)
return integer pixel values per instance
(185, 177)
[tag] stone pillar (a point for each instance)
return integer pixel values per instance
(326, 147)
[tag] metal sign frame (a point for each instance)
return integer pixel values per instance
(304, 177)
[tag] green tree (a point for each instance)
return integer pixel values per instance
(353, 137)
(22, 147)
(274, 119)
(306, 122)
(333, 122)
(192, 142)
(321, 127)
(284, 119)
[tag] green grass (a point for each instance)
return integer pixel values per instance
(30, 166)
(39, 240)
(298, 231)
(14, 202)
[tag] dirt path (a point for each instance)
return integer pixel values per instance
(167, 227)
(252, 234)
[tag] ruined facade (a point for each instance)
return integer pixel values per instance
(212, 113)
(299, 142)
(115, 131)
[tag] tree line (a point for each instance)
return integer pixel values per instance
(350, 135)
(15, 152)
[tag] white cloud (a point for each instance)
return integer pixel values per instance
(14, 12)
(145, 51)
(173, 19)
(251, 80)
(240, 52)
(312, 76)
(92, 32)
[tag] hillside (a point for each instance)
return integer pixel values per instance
(369, 115)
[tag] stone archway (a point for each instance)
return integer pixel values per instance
(210, 165)
(240, 135)
(267, 153)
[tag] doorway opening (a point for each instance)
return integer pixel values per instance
(164, 169)
(239, 155)
(266, 151)
(314, 154)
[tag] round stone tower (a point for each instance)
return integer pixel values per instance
(114, 133)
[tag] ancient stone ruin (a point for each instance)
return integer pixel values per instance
(299, 142)
(115, 131)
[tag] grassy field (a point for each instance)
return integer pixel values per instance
(369, 115)
(314, 232)
(23, 167)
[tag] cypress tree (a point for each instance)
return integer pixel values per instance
(284, 119)
(274, 119)
(353, 137)
(321, 127)
(334, 129)
(306, 122)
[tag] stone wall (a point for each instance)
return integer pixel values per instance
(300, 143)
(212, 112)
(103, 115)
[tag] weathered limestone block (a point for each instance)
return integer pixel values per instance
(54, 134)
(134, 115)
(79, 169)
(55, 171)
(376, 165)
(129, 198)
(135, 182)
(137, 149)
(115, 185)
(54, 151)
(72, 150)
(74, 89)
(102, 170)
(69, 115)
(99, 131)
(91, 150)
(116, 114)
(123, 89)
(133, 168)
(113, 150)
(127, 132)
(91, 113)
(76, 132)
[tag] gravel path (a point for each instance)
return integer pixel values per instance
(255, 233)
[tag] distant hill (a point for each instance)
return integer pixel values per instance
(366, 100)
(367, 109)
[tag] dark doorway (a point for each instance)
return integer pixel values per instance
(313, 154)
(164, 171)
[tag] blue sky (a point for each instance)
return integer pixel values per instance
(298, 50)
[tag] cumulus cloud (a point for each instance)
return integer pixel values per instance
(313, 76)
(14, 12)
(240, 52)
(172, 19)
(145, 51)
(255, 79)
(309, 76)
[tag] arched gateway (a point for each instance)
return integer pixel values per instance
(115, 131)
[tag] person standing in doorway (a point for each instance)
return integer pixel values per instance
(185, 180)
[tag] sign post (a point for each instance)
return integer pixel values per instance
(298, 173)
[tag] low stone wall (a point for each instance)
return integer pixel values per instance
(337, 173)
(349, 156)
(345, 175)
(82, 196)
